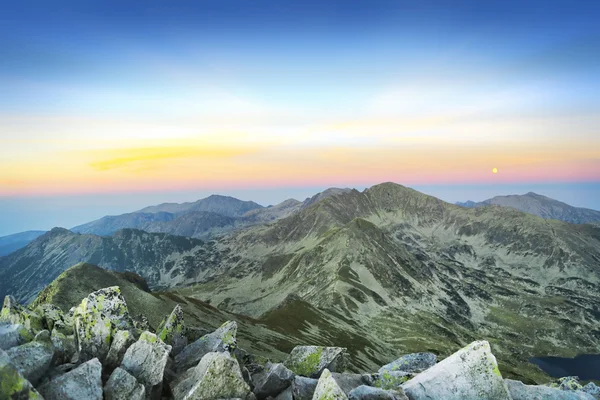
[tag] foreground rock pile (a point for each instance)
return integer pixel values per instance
(98, 351)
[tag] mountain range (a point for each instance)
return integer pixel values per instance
(542, 206)
(385, 269)
(10, 243)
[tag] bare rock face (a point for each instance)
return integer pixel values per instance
(328, 388)
(520, 391)
(311, 361)
(97, 319)
(470, 373)
(123, 386)
(146, 360)
(13, 384)
(84, 382)
(416, 362)
(217, 376)
(223, 339)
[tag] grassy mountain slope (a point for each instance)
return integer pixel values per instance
(14, 242)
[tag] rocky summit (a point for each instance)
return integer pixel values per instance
(115, 358)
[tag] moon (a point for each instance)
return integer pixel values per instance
(495, 170)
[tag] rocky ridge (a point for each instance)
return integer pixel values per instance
(98, 351)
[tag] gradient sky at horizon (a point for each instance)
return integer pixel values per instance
(119, 99)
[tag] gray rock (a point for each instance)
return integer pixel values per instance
(123, 386)
(84, 382)
(304, 388)
(520, 391)
(392, 379)
(43, 336)
(223, 339)
(373, 393)
(272, 381)
(32, 359)
(328, 388)
(14, 313)
(96, 319)
(470, 373)
(50, 315)
(310, 361)
(12, 383)
(121, 342)
(217, 376)
(592, 389)
(12, 335)
(287, 394)
(146, 360)
(347, 382)
(64, 345)
(416, 362)
(567, 383)
(172, 331)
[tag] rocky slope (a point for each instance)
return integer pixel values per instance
(394, 262)
(101, 349)
(11, 243)
(542, 206)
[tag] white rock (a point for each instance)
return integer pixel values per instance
(469, 374)
(520, 391)
(146, 360)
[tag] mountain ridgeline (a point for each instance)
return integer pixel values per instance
(542, 206)
(388, 269)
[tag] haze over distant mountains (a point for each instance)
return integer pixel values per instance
(542, 206)
(393, 267)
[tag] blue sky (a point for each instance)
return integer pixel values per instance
(108, 104)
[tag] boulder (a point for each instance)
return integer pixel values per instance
(121, 342)
(287, 394)
(172, 331)
(221, 340)
(470, 373)
(146, 360)
(272, 381)
(217, 376)
(50, 315)
(32, 359)
(348, 382)
(416, 362)
(12, 335)
(64, 345)
(84, 382)
(391, 379)
(123, 386)
(13, 313)
(303, 388)
(567, 383)
(328, 388)
(373, 393)
(13, 384)
(520, 391)
(592, 389)
(310, 361)
(98, 316)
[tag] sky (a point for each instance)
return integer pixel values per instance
(107, 106)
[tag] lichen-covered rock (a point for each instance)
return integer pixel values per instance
(221, 340)
(470, 373)
(172, 331)
(123, 386)
(310, 361)
(121, 342)
(12, 335)
(592, 389)
(365, 392)
(98, 316)
(567, 383)
(520, 391)
(50, 315)
(273, 380)
(13, 384)
(146, 360)
(416, 362)
(32, 359)
(303, 388)
(328, 388)
(42, 336)
(84, 382)
(64, 345)
(392, 379)
(13, 313)
(141, 322)
(217, 376)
